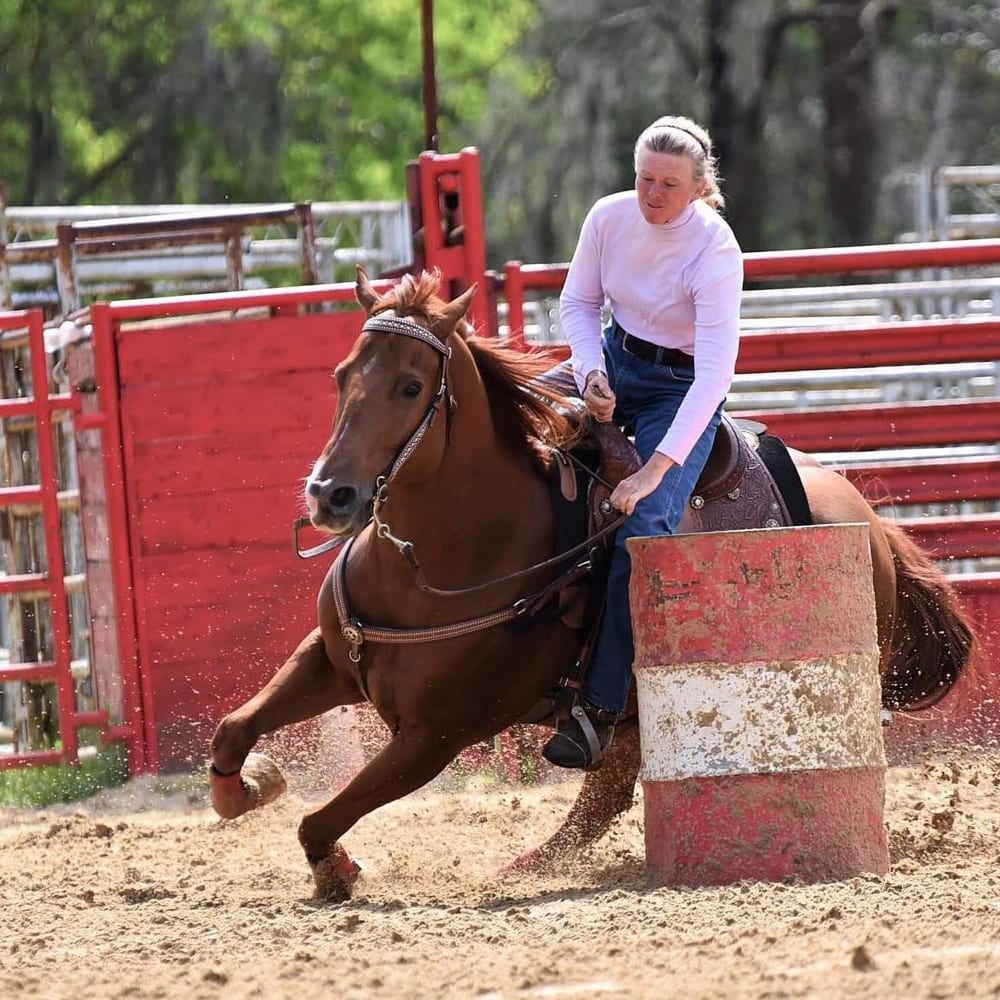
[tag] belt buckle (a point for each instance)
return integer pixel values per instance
(652, 352)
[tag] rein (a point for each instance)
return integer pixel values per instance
(406, 549)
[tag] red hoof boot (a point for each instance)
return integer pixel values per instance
(259, 782)
(531, 862)
(335, 875)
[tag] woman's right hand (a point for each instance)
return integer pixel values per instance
(598, 397)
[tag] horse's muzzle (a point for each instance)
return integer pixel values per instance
(340, 508)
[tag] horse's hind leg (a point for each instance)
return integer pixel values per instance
(305, 686)
(604, 795)
(408, 761)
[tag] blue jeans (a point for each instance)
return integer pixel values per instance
(648, 397)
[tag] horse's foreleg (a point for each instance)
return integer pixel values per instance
(305, 686)
(408, 761)
(605, 794)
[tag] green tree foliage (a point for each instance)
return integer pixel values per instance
(141, 101)
(940, 85)
(822, 111)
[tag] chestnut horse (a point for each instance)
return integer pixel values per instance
(436, 471)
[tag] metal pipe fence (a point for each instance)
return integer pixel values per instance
(58, 258)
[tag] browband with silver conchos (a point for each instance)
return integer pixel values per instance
(405, 327)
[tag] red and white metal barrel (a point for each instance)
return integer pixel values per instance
(757, 671)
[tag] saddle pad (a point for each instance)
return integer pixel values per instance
(779, 463)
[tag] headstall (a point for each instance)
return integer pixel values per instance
(406, 328)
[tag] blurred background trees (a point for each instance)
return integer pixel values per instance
(822, 112)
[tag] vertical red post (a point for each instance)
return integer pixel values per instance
(451, 206)
(759, 697)
(513, 284)
(55, 562)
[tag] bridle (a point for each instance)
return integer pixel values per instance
(406, 328)
(356, 632)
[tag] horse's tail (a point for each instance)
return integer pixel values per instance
(931, 640)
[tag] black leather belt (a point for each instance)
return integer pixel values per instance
(653, 352)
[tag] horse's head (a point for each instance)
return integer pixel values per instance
(391, 389)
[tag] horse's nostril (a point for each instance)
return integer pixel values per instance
(337, 500)
(342, 497)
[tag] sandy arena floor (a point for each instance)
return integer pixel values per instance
(142, 892)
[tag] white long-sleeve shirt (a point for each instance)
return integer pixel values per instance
(676, 285)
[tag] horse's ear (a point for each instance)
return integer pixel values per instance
(364, 291)
(453, 313)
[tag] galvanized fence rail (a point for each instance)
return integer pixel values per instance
(58, 258)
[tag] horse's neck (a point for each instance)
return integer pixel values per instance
(480, 475)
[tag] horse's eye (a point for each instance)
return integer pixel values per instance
(413, 390)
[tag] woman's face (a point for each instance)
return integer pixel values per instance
(665, 185)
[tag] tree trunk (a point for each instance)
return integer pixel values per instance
(735, 122)
(849, 44)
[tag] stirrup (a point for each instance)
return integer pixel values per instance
(578, 744)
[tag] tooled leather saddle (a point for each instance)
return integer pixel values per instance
(748, 480)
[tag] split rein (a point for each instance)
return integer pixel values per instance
(356, 632)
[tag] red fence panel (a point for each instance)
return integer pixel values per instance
(972, 536)
(934, 480)
(871, 259)
(221, 419)
(884, 425)
(908, 343)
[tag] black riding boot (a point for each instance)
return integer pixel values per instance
(582, 739)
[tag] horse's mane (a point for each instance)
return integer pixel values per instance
(524, 412)
(523, 409)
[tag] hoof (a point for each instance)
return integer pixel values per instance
(335, 875)
(259, 782)
(534, 862)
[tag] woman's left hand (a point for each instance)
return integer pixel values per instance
(640, 484)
